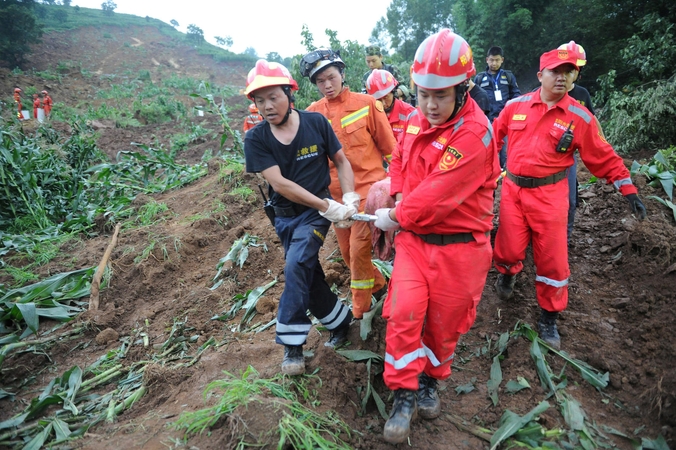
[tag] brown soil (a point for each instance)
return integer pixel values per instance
(622, 291)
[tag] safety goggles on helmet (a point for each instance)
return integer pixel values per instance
(312, 62)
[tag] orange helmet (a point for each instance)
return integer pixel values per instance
(253, 109)
(17, 89)
(266, 74)
(380, 83)
(45, 93)
(576, 49)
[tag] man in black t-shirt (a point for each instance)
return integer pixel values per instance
(291, 149)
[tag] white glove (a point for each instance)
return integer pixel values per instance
(384, 222)
(352, 198)
(337, 212)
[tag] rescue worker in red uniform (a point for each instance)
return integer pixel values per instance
(253, 119)
(36, 105)
(444, 172)
(17, 100)
(361, 125)
(381, 84)
(544, 129)
(46, 103)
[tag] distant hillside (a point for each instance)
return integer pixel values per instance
(56, 18)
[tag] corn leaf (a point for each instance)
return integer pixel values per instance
(666, 203)
(29, 315)
(657, 444)
(14, 421)
(61, 429)
(380, 404)
(359, 355)
(511, 423)
(517, 385)
(365, 325)
(572, 413)
(542, 368)
(39, 440)
(465, 388)
(252, 300)
(496, 378)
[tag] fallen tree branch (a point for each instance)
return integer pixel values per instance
(96, 281)
(464, 426)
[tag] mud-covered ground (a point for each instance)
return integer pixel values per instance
(620, 317)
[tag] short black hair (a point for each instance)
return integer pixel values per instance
(495, 51)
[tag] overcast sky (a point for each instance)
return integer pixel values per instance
(266, 25)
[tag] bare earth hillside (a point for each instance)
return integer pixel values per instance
(622, 295)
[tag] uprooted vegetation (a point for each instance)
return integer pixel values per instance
(181, 351)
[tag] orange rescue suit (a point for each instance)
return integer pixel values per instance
(363, 129)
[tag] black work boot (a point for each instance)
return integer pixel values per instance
(429, 405)
(504, 286)
(548, 331)
(337, 337)
(294, 362)
(403, 412)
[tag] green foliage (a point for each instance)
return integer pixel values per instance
(160, 109)
(224, 41)
(408, 22)
(299, 427)
(108, 7)
(18, 30)
(195, 35)
(652, 51)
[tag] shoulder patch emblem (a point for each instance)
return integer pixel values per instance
(412, 129)
(519, 117)
(450, 159)
(379, 106)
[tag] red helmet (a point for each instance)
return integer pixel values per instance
(45, 93)
(576, 49)
(380, 83)
(442, 60)
(17, 89)
(253, 109)
(266, 74)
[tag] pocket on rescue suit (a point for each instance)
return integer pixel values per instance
(517, 126)
(357, 133)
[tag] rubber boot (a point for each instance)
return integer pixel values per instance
(294, 362)
(504, 286)
(548, 331)
(403, 412)
(338, 337)
(429, 405)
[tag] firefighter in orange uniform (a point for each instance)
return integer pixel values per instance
(444, 172)
(381, 85)
(544, 129)
(362, 127)
(17, 100)
(36, 105)
(253, 119)
(46, 103)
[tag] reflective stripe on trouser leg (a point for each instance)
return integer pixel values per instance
(355, 247)
(302, 237)
(514, 233)
(430, 284)
(547, 214)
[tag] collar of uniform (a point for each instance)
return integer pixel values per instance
(342, 97)
(562, 103)
(425, 124)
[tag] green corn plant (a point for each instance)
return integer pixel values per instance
(238, 254)
(374, 366)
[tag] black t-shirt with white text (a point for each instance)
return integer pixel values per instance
(304, 161)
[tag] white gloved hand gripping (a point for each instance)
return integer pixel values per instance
(384, 222)
(337, 212)
(352, 198)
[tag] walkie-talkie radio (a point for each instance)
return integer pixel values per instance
(566, 140)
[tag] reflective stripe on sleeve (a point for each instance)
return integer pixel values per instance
(522, 99)
(580, 112)
(622, 182)
(405, 360)
(352, 118)
(362, 284)
(550, 282)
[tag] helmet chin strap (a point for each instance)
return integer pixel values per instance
(289, 95)
(461, 93)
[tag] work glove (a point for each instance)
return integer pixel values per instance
(637, 206)
(349, 199)
(337, 212)
(383, 221)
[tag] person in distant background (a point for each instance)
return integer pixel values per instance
(36, 105)
(252, 119)
(374, 59)
(46, 103)
(17, 100)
